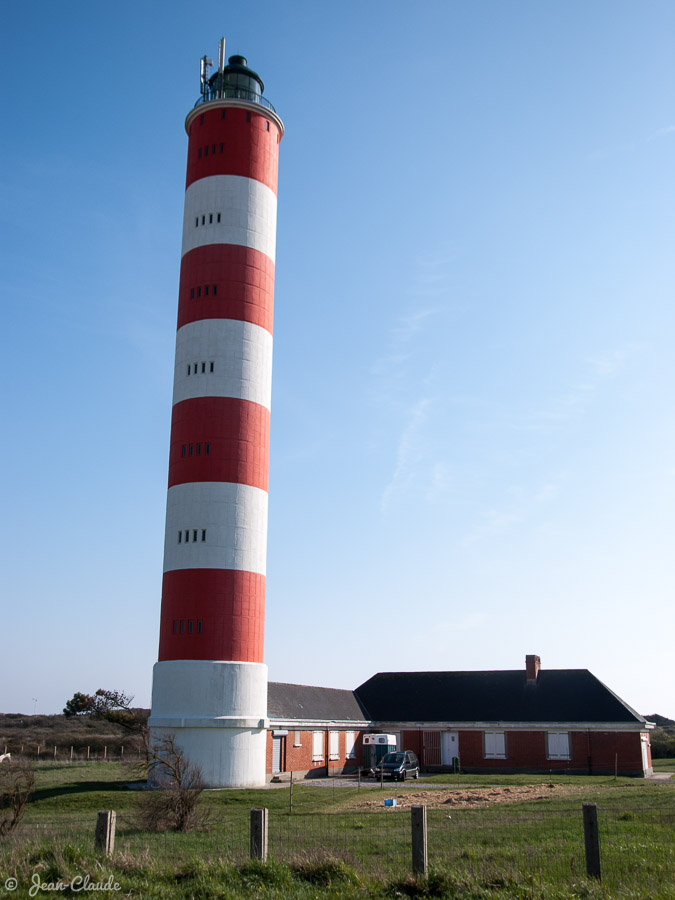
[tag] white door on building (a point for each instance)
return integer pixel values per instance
(449, 747)
(644, 743)
(276, 754)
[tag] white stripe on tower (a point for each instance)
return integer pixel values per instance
(216, 525)
(223, 358)
(247, 211)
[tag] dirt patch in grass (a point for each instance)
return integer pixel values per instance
(471, 798)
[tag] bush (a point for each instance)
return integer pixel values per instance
(17, 780)
(178, 784)
(663, 744)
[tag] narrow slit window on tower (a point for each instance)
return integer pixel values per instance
(197, 222)
(204, 220)
(218, 218)
(175, 626)
(200, 152)
(189, 626)
(188, 368)
(206, 150)
(184, 449)
(211, 366)
(192, 447)
(203, 534)
(180, 535)
(192, 294)
(222, 148)
(199, 626)
(215, 289)
(202, 122)
(222, 114)
(182, 626)
(248, 116)
(210, 218)
(187, 537)
(213, 149)
(203, 367)
(195, 369)
(199, 292)
(199, 449)
(194, 535)
(206, 287)
(207, 449)
(268, 125)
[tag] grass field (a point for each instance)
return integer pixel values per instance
(332, 845)
(663, 765)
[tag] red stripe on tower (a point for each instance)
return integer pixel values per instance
(213, 594)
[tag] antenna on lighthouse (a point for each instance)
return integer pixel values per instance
(204, 64)
(221, 55)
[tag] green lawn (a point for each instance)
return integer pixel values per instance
(519, 850)
(663, 765)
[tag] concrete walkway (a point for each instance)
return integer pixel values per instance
(660, 776)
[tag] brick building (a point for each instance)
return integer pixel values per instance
(529, 720)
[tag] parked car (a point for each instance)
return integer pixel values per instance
(398, 766)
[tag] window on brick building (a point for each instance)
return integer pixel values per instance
(333, 745)
(297, 739)
(317, 746)
(558, 745)
(494, 743)
(350, 744)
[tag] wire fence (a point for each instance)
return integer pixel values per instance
(637, 846)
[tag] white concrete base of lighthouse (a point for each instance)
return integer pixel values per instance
(217, 711)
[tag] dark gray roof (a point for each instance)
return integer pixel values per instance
(302, 701)
(559, 695)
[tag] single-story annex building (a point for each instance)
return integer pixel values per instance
(529, 720)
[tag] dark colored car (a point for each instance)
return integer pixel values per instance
(398, 766)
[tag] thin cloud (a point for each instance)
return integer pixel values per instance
(407, 453)
(524, 505)
(662, 132)
(580, 395)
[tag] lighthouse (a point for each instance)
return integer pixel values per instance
(210, 682)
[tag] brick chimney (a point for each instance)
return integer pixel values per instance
(532, 666)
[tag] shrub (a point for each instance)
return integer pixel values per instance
(17, 780)
(178, 784)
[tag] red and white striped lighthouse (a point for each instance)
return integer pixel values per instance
(210, 683)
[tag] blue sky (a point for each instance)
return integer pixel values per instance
(472, 430)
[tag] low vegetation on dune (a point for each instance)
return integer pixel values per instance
(89, 734)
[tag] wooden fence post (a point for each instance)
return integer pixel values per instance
(591, 839)
(258, 846)
(418, 821)
(105, 831)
